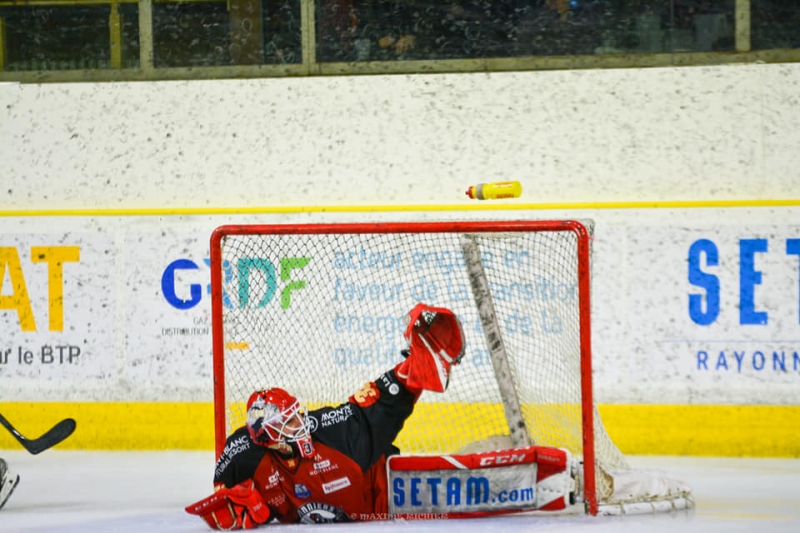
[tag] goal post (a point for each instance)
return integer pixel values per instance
(319, 309)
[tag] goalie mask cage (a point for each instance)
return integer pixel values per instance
(320, 309)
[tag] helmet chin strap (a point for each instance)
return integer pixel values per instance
(283, 448)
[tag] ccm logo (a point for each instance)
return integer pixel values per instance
(502, 459)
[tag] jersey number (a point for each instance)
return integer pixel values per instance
(367, 396)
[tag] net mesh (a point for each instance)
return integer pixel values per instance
(322, 314)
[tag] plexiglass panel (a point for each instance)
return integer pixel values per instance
(55, 35)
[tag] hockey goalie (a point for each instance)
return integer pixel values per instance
(339, 464)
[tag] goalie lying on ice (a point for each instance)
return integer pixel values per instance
(330, 464)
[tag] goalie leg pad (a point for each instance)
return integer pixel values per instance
(481, 484)
(240, 507)
(435, 343)
(555, 481)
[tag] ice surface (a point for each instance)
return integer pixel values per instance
(76, 492)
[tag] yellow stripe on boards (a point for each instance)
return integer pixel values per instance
(116, 425)
(502, 205)
(701, 430)
(705, 430)
(449, 427)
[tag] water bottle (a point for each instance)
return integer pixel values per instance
(495, 191)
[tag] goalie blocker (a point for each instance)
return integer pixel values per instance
(533, 478)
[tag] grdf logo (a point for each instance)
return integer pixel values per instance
(251, 283)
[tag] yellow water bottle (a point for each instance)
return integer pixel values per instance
(496, 190)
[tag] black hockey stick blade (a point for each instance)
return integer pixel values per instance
(54, 435)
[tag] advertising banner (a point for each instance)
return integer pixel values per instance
(58, 307)
(704, 314)
(168, 325)
(714, 307)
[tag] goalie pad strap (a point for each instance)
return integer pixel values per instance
(480, 484)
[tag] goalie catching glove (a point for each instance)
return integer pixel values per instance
(239, 507)
(435, 343)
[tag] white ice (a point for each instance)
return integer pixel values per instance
(76, 492)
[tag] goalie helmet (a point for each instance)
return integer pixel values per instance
(275, 418)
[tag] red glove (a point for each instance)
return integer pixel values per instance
(240, 507)
(435, 343)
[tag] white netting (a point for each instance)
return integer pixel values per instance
(321, 314)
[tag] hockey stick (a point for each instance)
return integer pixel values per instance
(494, 340)
(56, 434)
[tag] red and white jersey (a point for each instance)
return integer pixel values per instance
(346, 478)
